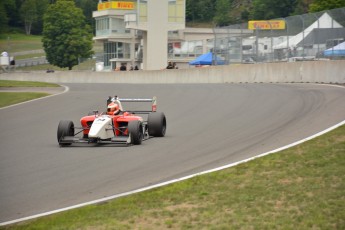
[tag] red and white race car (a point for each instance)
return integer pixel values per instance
(116, 126)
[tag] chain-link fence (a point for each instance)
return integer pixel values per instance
(300, 37)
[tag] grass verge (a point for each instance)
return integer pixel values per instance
(10, 98)
(86, 65)
(17, 42)
(299, 188)
(10, 83)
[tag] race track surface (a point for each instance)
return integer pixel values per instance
(208, 125)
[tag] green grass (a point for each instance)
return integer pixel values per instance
(20, 42)
(8, 83)
(86, 65)
(300, 188)
(27, 56)
(10, 98)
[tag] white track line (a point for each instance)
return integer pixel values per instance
(172, 181)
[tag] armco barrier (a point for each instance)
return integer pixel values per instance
(292, 72)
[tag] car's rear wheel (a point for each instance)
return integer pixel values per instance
(157, 124)
(135, 129)
(65, 128)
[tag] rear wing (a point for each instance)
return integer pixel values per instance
(119, 100)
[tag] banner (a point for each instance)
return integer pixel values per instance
(116, 5)
(267, 25)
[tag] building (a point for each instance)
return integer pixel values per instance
(136, 32)
(148, 34)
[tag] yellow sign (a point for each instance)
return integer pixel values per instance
(116, 5)
(267, 25)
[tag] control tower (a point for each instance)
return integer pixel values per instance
(151, 19)
(155, 18)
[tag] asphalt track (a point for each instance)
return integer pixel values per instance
(209, 125)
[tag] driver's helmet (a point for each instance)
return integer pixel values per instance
(113, 109)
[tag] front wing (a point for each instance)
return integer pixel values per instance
(115, 140)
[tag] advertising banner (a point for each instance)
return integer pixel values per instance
(267, 25)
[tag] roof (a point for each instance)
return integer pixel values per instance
(325, 21)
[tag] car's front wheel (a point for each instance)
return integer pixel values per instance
(65, 128)
(135, 129)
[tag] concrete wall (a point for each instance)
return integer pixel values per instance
(307, 72)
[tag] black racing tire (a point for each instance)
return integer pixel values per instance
(156, 124)
(135, 129)
(65, 128)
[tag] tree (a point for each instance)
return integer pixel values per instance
(205, 10)
(41, 7)
(88, 6)
(12, 11)
(302, 7)
(321, 5)
(29, 15)
(222, 17)
(3, 18)
(190, 10)
(270, 9)
(245, 15)
(200, 10)
(66, 36)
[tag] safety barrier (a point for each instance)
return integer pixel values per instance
(293, 72)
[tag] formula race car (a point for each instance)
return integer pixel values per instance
(115, 126)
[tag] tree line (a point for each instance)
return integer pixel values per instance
(227, 12)
(66, 31)
(28, 14)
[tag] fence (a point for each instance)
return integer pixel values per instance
(300, 37)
